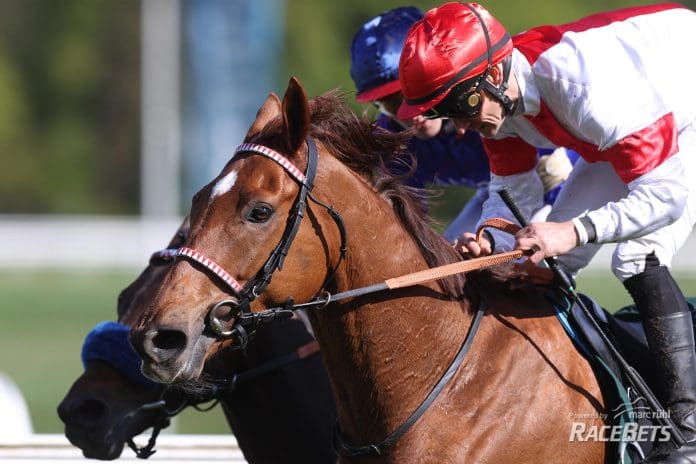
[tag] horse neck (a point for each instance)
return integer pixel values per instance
(372, 344)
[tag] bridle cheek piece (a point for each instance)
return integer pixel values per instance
(246, 322)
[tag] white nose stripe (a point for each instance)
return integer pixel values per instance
(224, 185)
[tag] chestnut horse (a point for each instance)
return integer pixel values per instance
(522, 383)
(273, 391)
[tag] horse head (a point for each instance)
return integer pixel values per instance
(243, 225)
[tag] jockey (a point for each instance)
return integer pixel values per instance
(442, 156)
(611, 87)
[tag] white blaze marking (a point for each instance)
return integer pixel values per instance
(224, 185)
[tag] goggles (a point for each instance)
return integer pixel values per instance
(462, 101)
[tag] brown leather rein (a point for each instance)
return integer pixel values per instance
(439, 272)
(428, 275)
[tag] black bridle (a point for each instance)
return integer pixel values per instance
(245, 321)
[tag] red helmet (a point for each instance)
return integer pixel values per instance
(452, 43)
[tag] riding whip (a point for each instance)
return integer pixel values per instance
(633, 376)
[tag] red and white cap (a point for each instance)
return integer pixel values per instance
(445, 48)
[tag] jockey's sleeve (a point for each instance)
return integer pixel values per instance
(633, 127)
(513, 164)
(654, 200)
(646, 161)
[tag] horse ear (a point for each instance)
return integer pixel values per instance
(296, 115)
(269, 110)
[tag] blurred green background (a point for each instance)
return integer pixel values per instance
(70, 88)
(70, 141)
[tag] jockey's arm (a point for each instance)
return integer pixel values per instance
(654, 200)
(513, 166)
(648, 162)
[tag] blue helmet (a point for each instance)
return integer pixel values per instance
(375, 52)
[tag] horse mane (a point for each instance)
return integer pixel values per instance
(367, 149)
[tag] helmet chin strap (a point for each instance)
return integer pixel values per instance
(499, 92)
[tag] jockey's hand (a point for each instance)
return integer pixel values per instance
(468, 247)
(546, 239)
(553, 169)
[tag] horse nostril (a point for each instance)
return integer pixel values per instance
(91, 411)
(160, 345)
(169, 340)
(84, 413)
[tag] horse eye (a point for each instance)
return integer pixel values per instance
(260, 213)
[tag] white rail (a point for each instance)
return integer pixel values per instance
(45, 242)
(201, 449)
